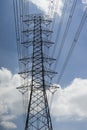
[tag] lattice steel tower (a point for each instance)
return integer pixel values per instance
(38, 116)
(33, 31)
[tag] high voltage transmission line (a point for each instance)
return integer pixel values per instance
(60, 24)
(66, 31)
(33, 34)
(75, 40)
(84, 17)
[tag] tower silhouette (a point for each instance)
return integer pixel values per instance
(38, 115)
(33, 37)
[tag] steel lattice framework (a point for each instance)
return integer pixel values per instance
(38, 116)
(36, 33)
(33, 36)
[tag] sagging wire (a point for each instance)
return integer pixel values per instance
(19, 9)
(66, 31)
(60, 25)
(84, 17)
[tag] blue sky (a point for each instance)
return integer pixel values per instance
(69, 105)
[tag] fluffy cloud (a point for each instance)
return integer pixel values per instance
(42, 4)
(47, 5)
(55, 6)
(67, 103)
(84, 1)
(70, 102)
(10, 98)
(8, 125)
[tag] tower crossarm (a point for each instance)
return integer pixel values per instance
(29, 43)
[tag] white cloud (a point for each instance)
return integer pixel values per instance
(67, 103)
(84, 1)
(41, 4)
(70, 102)
(47, 5)
(8, 117)
(8, 94)
(10, 98)
(8, 125)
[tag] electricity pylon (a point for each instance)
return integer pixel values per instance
(33, 37)
(38, 115)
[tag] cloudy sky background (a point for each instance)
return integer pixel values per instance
(69, 105)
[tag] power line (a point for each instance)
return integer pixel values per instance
(18, 6)
(60, 25)
(73, 44)
(66, 31)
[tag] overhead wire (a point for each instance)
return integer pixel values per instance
(51, 7)
(66, 31)
(21, 8)
(84, 17)
(25, 13)
(18, 6)
(17, 26)
(73, 44)
(63, 13)
(60, 25)
(59, 29)
(16, 17)
(50, 14)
